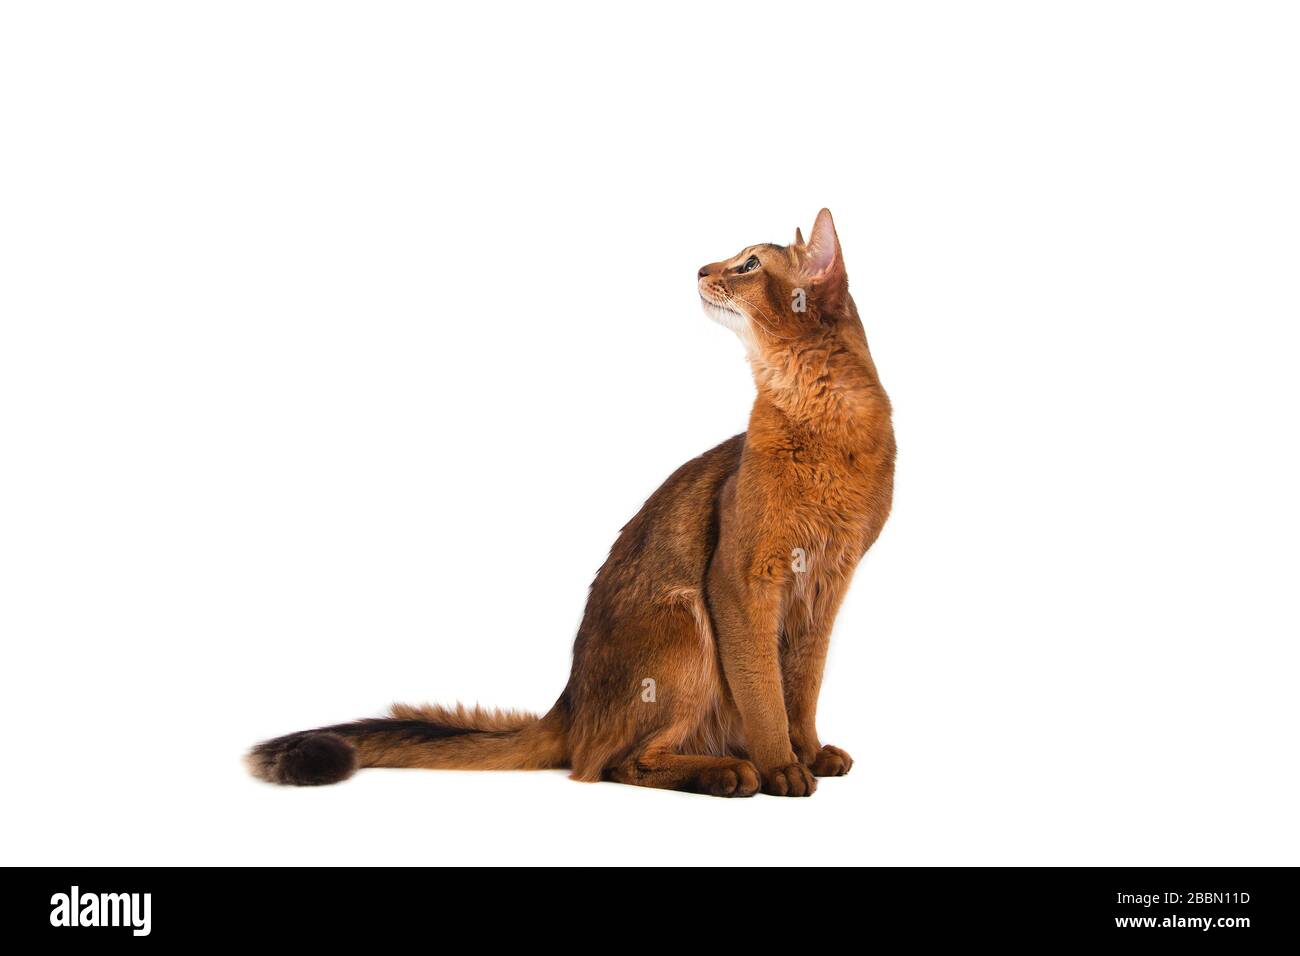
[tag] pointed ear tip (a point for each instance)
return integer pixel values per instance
(823, 234)
(824, 245)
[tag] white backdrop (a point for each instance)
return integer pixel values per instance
(338, 341)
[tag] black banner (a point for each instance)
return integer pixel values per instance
(1225, 907)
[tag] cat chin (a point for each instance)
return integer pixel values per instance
(727, 318)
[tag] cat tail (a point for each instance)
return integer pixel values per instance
(431, 737)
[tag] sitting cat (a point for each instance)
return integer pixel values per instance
(699, 659)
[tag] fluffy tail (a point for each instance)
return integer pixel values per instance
(432, 737)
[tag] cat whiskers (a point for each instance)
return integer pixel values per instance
(731, 299)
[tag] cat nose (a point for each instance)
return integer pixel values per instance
(704, 270)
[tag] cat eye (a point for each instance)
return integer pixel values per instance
(750, 264)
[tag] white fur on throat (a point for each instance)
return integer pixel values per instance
(731, 319)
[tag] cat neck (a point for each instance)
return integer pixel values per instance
(823, 382)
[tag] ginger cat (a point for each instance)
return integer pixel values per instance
(699, 659)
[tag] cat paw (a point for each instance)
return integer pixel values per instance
(739, 779)
(831, 762)
(792, 780)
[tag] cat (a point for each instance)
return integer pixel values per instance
(699, 659)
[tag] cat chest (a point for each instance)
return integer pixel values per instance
(819, 514)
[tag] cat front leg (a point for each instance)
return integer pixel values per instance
(747, 623)
(803, 660)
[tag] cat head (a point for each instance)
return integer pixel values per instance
(769, 294)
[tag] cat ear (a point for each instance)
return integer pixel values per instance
(824, 247)
(798, 238)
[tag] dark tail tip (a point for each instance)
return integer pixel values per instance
(306, 759)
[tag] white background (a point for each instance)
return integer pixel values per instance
(339, 340)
